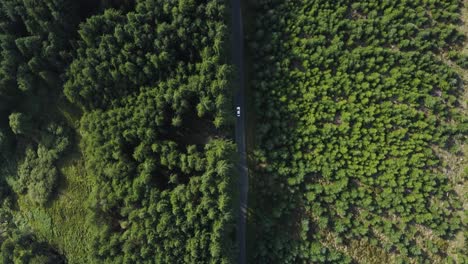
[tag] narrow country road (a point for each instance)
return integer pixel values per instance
(237, 50)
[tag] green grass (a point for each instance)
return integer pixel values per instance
(62, 222)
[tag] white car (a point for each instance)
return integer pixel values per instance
(238, 111)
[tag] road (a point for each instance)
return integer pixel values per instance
(237, 55)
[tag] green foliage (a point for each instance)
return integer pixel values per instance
(154, 87)
(23, 248)
(350, 99)
(20, 123)
(34, 43)
(20, 246)
(37, 175)
(459, 58)
(34, 51)
(35, 39)
(155, 96)
(120, 56)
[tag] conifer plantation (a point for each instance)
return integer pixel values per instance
(356, 101)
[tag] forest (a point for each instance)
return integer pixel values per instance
(130, 100)
(356, 102)
(117, 124)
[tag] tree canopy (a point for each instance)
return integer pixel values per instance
(154, 87)
(351, 99)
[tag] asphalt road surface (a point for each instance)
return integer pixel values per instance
(237, 50)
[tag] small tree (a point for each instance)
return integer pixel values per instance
(20, 123)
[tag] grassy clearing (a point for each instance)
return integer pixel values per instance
(63, 222)
(359, 250)
(456, 164)
(459, 164)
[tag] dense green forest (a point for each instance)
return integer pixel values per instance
(116, 129)
(121, 110)
(34, 50)
(360, 113)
